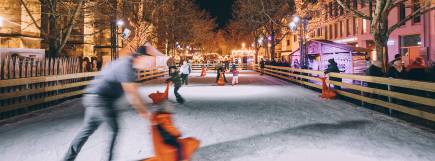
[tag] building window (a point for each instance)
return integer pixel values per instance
(319, 32)
(326, 32)
(354, 26)
(402, 12)
(330, 9)
(364, 26)
(295, 38)
(336, 30)
(347, 27)
(341, 29)
(410, 40)
(341, 9)
(363, 3)
(355, 4)
(415, 7)
(288, 42)
(331, 36)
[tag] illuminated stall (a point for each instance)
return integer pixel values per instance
(349, 59)
(243, 56)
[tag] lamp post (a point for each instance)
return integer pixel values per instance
(114, 37)
(302, 22)
(1, 25)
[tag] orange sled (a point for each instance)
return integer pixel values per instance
(221, 81)
(165, 152)
(159, 97)
(327, 92)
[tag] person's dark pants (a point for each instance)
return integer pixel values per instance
(185, 78)
(218, 76)
(98, 110)
(337, 80)
(171, 69)
(262, 71)
(174, 143)
(177, 95)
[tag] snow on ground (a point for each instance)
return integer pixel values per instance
(263, 118)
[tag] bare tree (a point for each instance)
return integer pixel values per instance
(62, 17)
(264, 18)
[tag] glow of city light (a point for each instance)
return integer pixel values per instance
(120, 23)
(1, 21)
(243, 45)
(296, 19)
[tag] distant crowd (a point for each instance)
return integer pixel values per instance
(417, 70)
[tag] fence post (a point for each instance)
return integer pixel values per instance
(362, 93)
(390, 111)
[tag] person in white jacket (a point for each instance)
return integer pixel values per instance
(185, 71)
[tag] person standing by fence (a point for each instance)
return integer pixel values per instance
(262, 65)
(333, 68)
(116, 78)
(417, 70)
(235, 72)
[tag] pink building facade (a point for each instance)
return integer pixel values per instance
(415, 38)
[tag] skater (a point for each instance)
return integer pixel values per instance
(235, 75)
(185, 71)
(171, 65)
(116, 78)
(176, 80)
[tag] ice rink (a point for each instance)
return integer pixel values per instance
(262, 119)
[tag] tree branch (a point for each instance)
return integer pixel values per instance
(356, 12)
(420, 11)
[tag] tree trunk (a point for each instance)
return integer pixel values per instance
(272, 43)
(53, 31)
(380, 37)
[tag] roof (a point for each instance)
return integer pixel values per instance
(153, 51)
(337, 45)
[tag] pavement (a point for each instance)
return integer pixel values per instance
(262, 118)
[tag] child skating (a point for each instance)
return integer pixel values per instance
(177, 81)
(235, 75)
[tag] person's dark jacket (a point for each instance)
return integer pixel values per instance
(176, 79)
(376, 72)
(418, 73)
(262, 64)
(333, 68)
(394, 73)
(432, 73)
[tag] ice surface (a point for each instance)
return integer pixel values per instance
(261, 119)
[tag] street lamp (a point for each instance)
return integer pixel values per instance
(303, 22)
(114, 36)
(243, 45)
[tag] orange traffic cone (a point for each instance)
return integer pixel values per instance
(221, 81)
(327, 92)
(203, 72)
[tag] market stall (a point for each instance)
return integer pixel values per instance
(349, 59)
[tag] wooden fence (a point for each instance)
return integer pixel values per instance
(22, 95)
(15, 67)
(413, 98)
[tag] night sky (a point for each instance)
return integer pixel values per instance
(218, 9)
